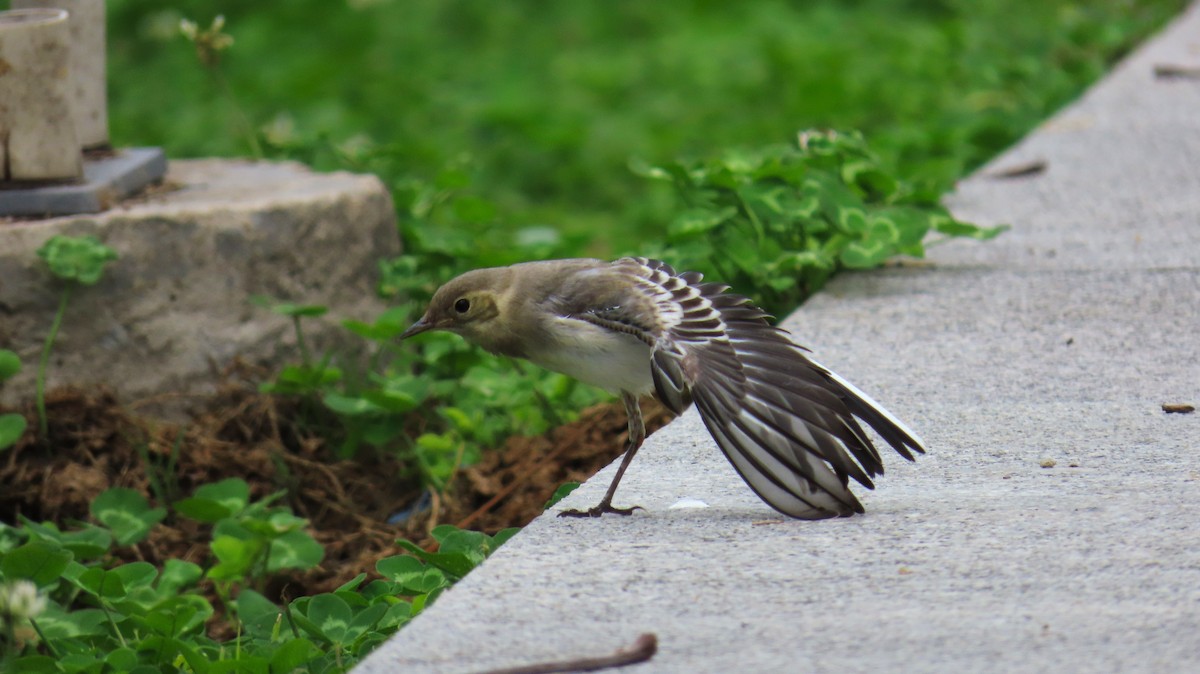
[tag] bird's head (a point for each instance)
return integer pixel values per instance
(468, 305)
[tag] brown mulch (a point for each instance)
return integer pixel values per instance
(95, 443)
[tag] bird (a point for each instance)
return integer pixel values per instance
(635, 327)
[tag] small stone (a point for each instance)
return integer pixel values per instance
(1048, 463)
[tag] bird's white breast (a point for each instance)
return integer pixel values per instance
(609, 360)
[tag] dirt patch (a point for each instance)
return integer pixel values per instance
(95, 443)
(510, 487)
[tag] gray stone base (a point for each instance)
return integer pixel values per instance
(175, 305)
(106, 180)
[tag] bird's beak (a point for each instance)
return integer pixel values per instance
(417, 328)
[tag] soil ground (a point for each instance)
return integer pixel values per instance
(95, 442)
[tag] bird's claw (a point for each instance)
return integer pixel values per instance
(599, 510)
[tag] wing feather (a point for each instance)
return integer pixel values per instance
(789, 426)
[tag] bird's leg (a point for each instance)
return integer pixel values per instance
(637, 434)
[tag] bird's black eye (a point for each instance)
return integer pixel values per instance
(462, 306)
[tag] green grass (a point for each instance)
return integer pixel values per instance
(550, 101)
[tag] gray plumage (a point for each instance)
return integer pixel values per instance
(789, 426)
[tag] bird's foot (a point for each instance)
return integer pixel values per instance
(599, 510)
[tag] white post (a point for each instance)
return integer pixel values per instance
(89, 89)
(38, 140)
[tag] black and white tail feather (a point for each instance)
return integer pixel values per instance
(787, 424)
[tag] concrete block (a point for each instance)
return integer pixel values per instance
(175, 306)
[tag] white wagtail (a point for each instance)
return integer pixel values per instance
(635, 327)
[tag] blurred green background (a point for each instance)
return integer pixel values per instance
(544, 104)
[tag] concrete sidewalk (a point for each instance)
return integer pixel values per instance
(1055, 344)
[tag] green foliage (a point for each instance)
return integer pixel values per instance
(10, 364)
(371, 411)
(561, 493)
(78, 261)
(459, 551)
(12, 426)
(66, 605)
(127, 513)
(38, 561)
(250, 539)
(779, 221)
(549, 101)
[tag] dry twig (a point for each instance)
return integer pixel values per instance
(642, 650)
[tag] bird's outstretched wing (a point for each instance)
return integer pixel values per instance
(788, 425)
